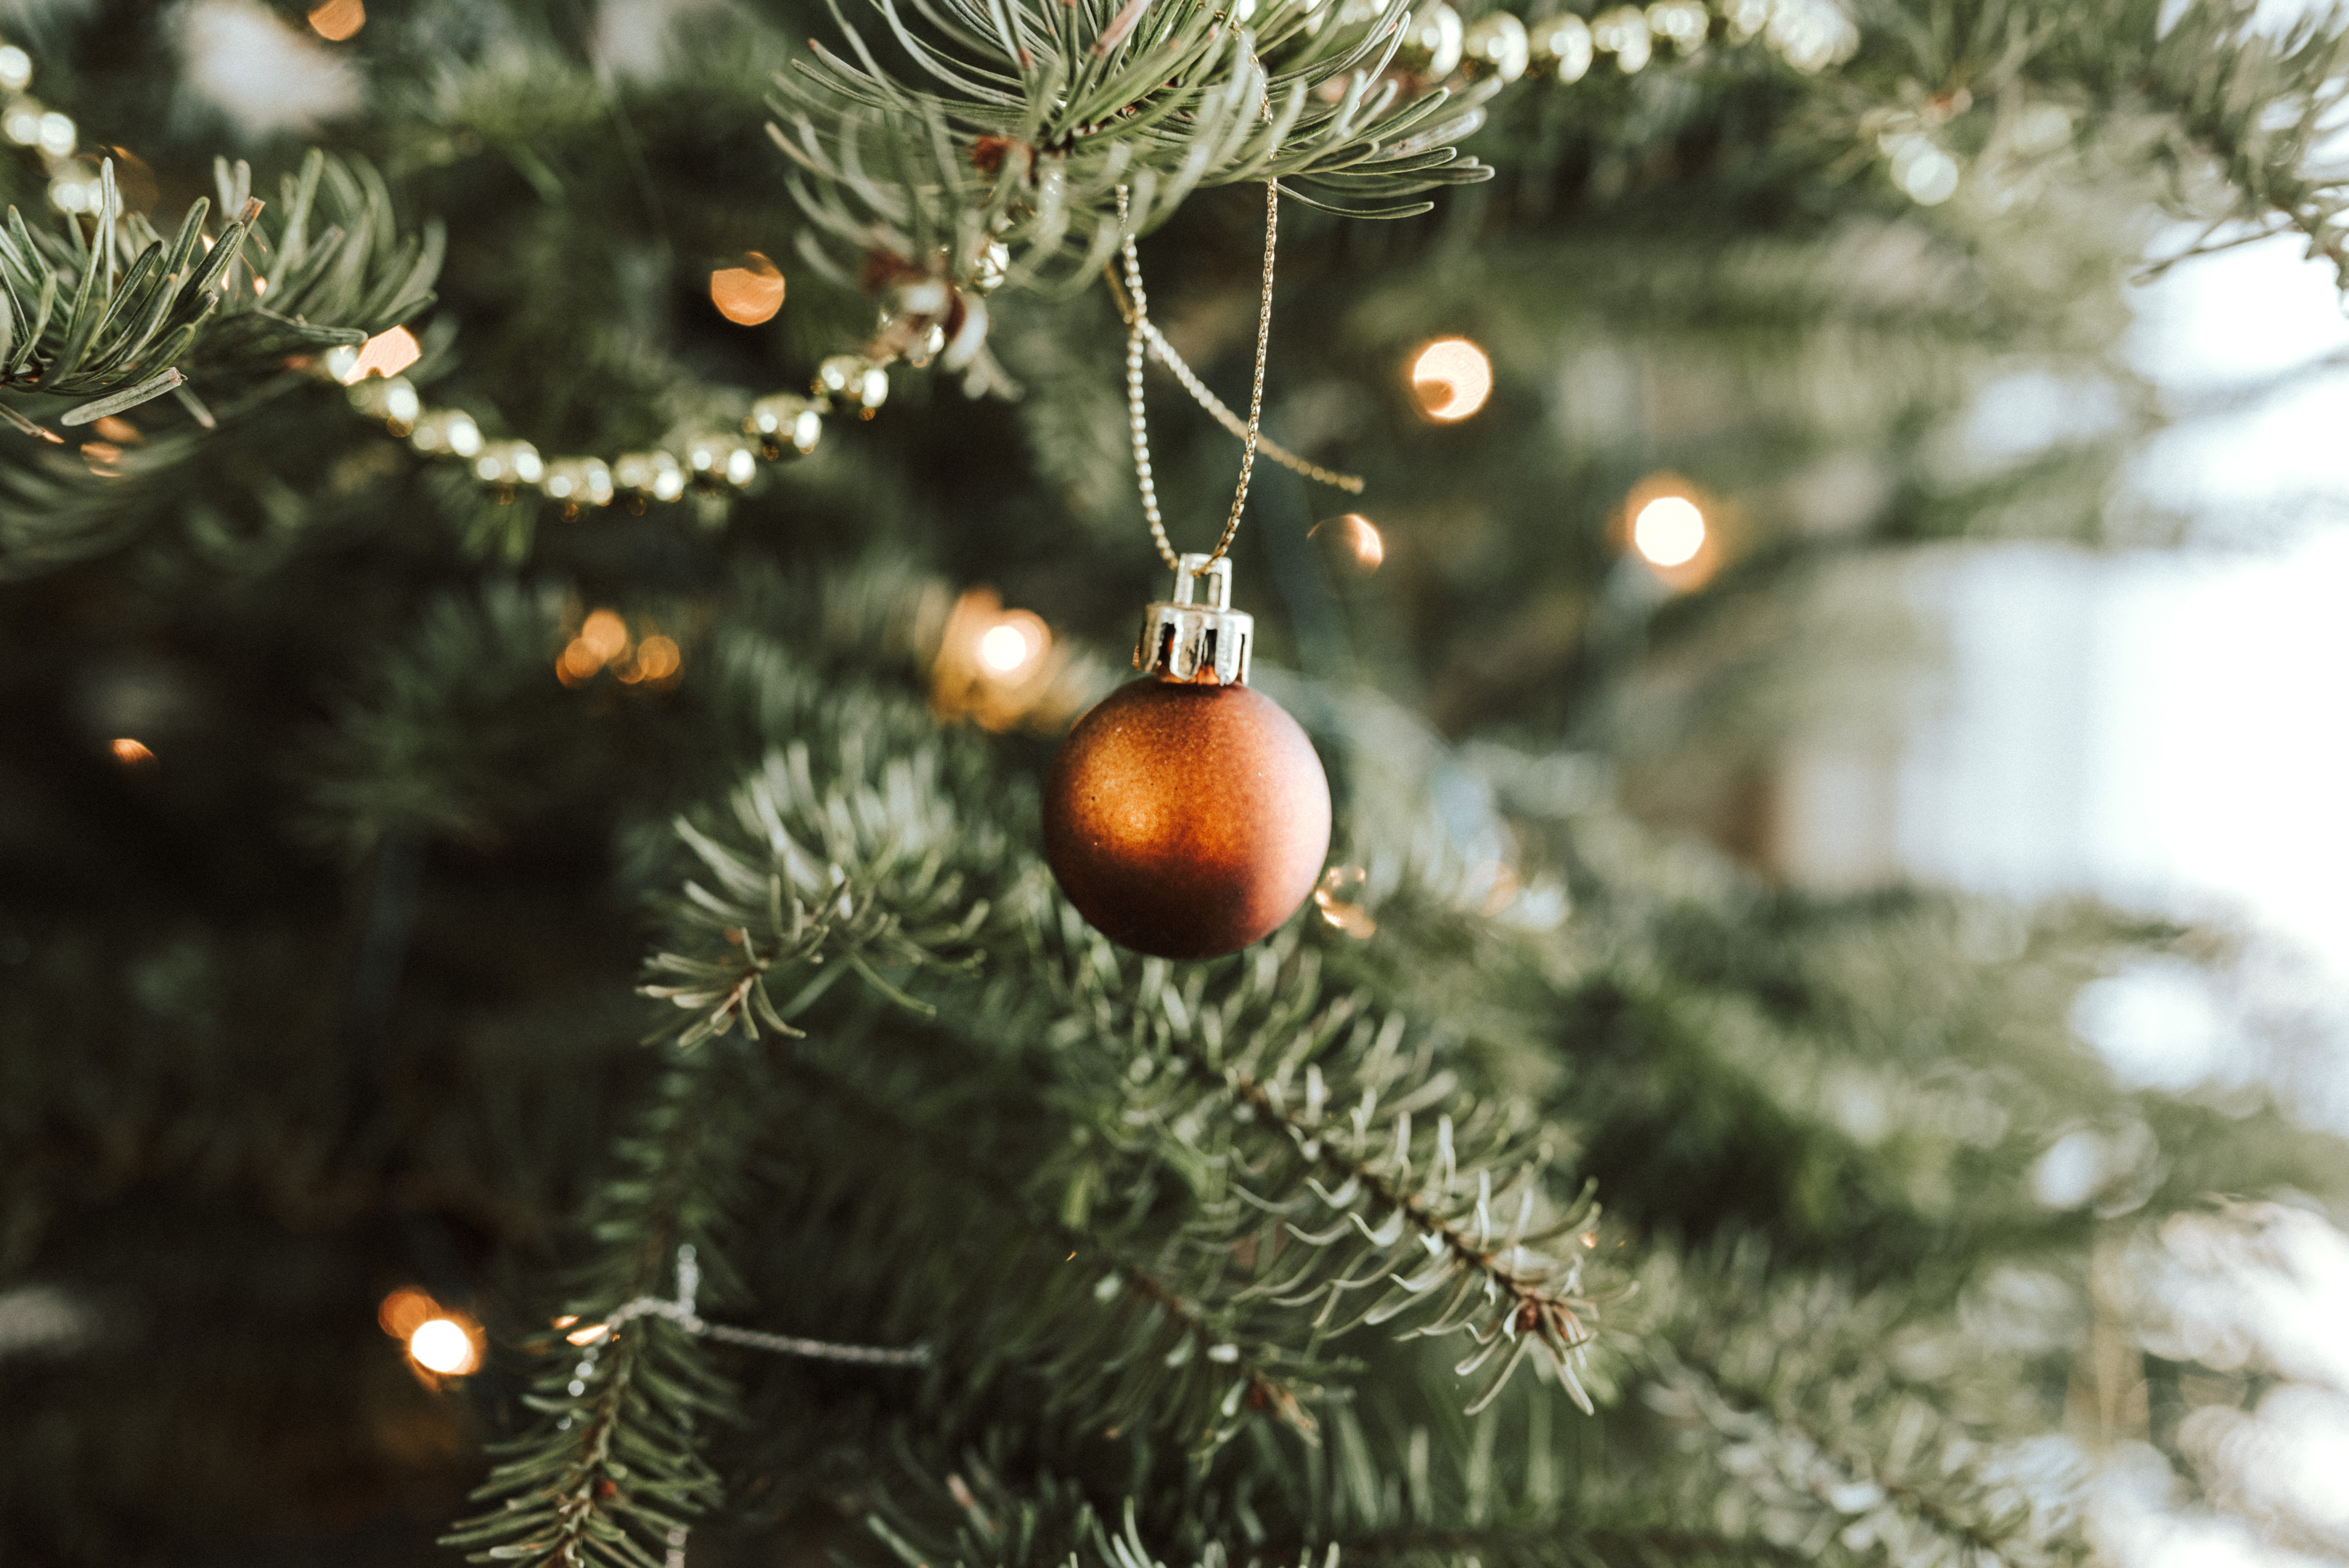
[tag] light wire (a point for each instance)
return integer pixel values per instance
(681, 1312)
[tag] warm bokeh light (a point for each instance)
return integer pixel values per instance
(1451, 378)
(404, 1311)
(440, 1342)
(604, 634)
(995, 665)
(603, 642)
(386, 354)
(444, 1345)
(1669, 531)
(1013, 646)
(1356, 537)
(338, 19)
(657, 659)
(749, 293)
(577, 662)
(1003, 649)
(130, 754)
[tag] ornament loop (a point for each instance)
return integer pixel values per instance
(1215, 569)
(1202, 640)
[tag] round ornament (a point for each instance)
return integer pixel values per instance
(1187, 815)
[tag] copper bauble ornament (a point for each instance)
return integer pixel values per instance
(1187, 815)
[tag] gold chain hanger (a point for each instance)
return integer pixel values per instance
(1143, 338)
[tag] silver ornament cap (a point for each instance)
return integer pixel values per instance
(1194, 640)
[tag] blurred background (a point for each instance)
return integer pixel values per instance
(2162, 728)
(2028, 589)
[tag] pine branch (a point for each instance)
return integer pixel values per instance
(614, 1465)
(1800, 1403)
(1126, 1337)
(120, 316)
(974, 1519)
(1040, 113)
(863, 873)
(2263, 105)
(89, 314)
(1294, 1123)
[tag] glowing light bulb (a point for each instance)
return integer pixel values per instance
(1003, 649)
(130, 754)
(442, 1344)
(1013, 646)
(749, 293)
(993, 665)
(1451, 378)
(1669, 531)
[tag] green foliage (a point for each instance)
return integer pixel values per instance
(862, 873)
(1212, 1264)
(1047, 115)
(119, 311)
(2248, 107)
(125, 314)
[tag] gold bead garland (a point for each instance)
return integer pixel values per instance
(716, 464)
(1809, 34)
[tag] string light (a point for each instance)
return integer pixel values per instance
(996, 666)
(338, 19)
(602, 641)
(604, 634)
(1451, 378)
(444, 1345)
(749, 293)
(1013, 644)
(440, 1341)
(656, 659)
(1669, 531)
(1674, 529)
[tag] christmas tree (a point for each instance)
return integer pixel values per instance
(546, 552)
